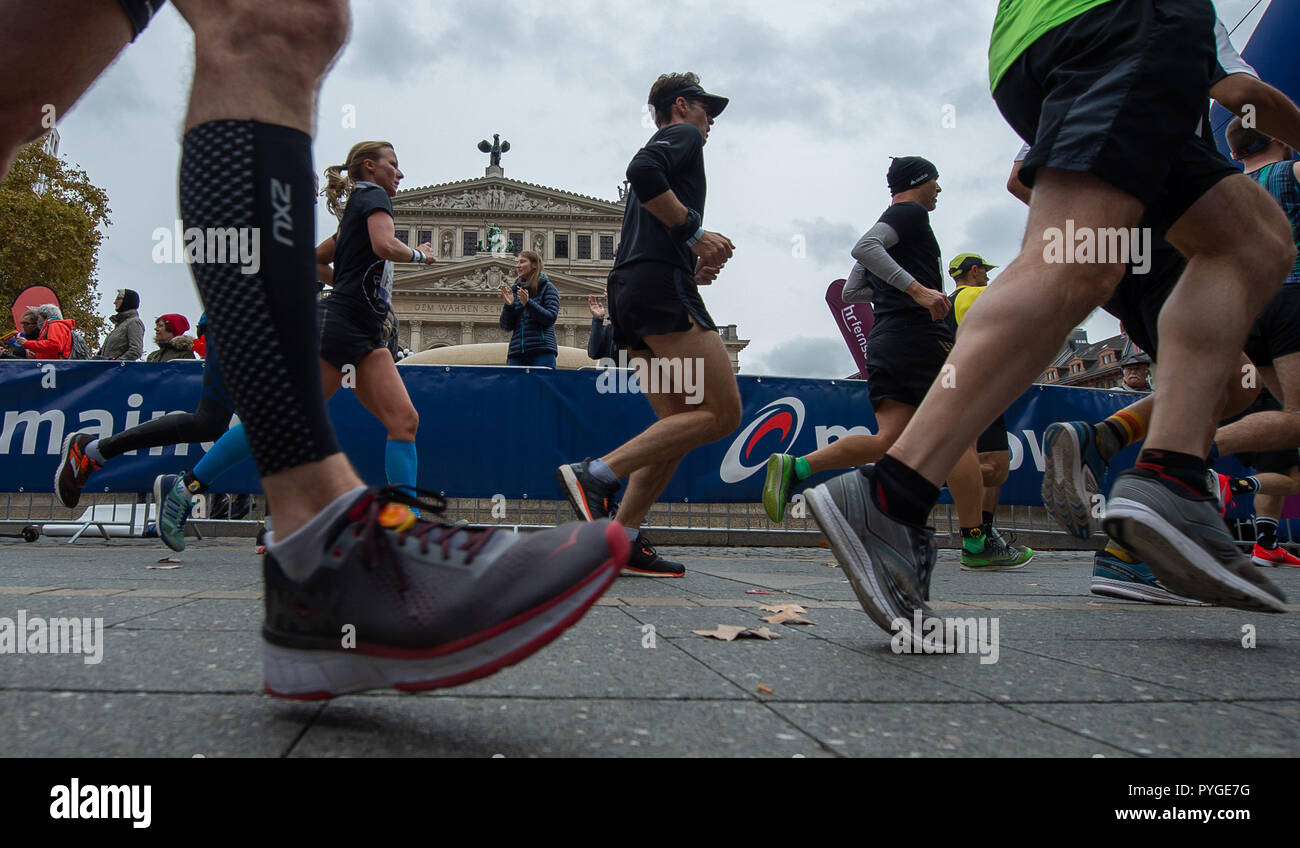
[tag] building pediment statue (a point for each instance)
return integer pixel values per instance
(495, 199)
(480, 279)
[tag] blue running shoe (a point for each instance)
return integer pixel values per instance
(1072, 474)
(174, 506)
(1112, 577)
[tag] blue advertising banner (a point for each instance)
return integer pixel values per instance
(487, 431)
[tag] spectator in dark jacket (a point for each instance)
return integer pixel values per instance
(600, 344)
(532, 305)
(125, 341)
(54, 336)
(167, 332)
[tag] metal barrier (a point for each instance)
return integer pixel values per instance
(740, 525)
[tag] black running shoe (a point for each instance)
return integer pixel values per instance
(590, 498)
(401, 602)
(646, 562)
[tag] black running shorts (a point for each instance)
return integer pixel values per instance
(994, 439)
(138, 12)
(653, 299)
(1118, 92)
(901, 366)
(1139, 297)
(1276, 332)
(344, 341)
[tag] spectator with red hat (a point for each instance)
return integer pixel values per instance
(167, 334)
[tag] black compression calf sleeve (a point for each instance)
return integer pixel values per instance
(261, 313)
(206, 424)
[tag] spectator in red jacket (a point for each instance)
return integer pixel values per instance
(54, 340)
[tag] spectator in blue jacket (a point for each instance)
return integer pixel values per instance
(532, 305)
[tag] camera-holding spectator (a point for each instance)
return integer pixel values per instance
(532, 305)
(600, 344)
(167, 332)
(126, 340)
(47, 334)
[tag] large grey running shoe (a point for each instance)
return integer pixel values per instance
(1186, 545)
(401, 602)
(888, 563)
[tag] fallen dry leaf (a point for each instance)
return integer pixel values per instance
(784, 608)
(764, 689)
(170, 559)
(725, 632)
(162, 567)
(730, 632)
(832, 565)
(787, 617)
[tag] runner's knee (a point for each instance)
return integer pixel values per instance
(290, 37)
(404, 424)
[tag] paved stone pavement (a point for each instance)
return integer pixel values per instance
(1075, 675)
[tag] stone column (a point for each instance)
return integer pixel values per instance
(417, 342)
(467, 332)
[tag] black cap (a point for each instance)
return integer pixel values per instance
(907, 172)
(713, 103)
(1136, 359)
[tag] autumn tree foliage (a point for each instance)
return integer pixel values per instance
(51, 217)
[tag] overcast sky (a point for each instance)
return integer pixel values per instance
(822, 95)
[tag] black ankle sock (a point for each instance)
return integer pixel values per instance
(986, 518)
(1266, 532)
(903, 493)
(1180, 472)
(192, 484)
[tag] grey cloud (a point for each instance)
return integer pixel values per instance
(821, 358)
(828, 242)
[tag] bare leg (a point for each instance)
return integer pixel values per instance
(50, 57)
(265, 61)
(1271, 430)
(995, 468)
(717, 415)
(1050, 297)
(382, 392)
(967, 488)
(851, 451)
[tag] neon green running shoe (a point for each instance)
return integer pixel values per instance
(780, 480)
(997, 555)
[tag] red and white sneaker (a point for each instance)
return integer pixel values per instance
(1275, 557)
(1225, 492)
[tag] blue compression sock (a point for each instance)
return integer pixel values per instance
(229, 451)
(401, 465)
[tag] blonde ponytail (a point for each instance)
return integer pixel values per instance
(340, 180)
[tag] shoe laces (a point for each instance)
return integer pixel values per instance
(391, 511)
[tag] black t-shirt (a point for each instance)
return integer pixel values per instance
(363, 282)
(917, 252)
(673, 158)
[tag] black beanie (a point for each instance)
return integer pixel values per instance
(130, 300)
(906, 172)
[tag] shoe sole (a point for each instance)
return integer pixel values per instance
(307, 675)
(867, 582)
(158, 500)
(965, 567)
(774, 505)
(1270, 563)
(1065, 491)
(1179, 562)
(58, 472)
(573, 491)
(629, 571)
(1110, 588)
